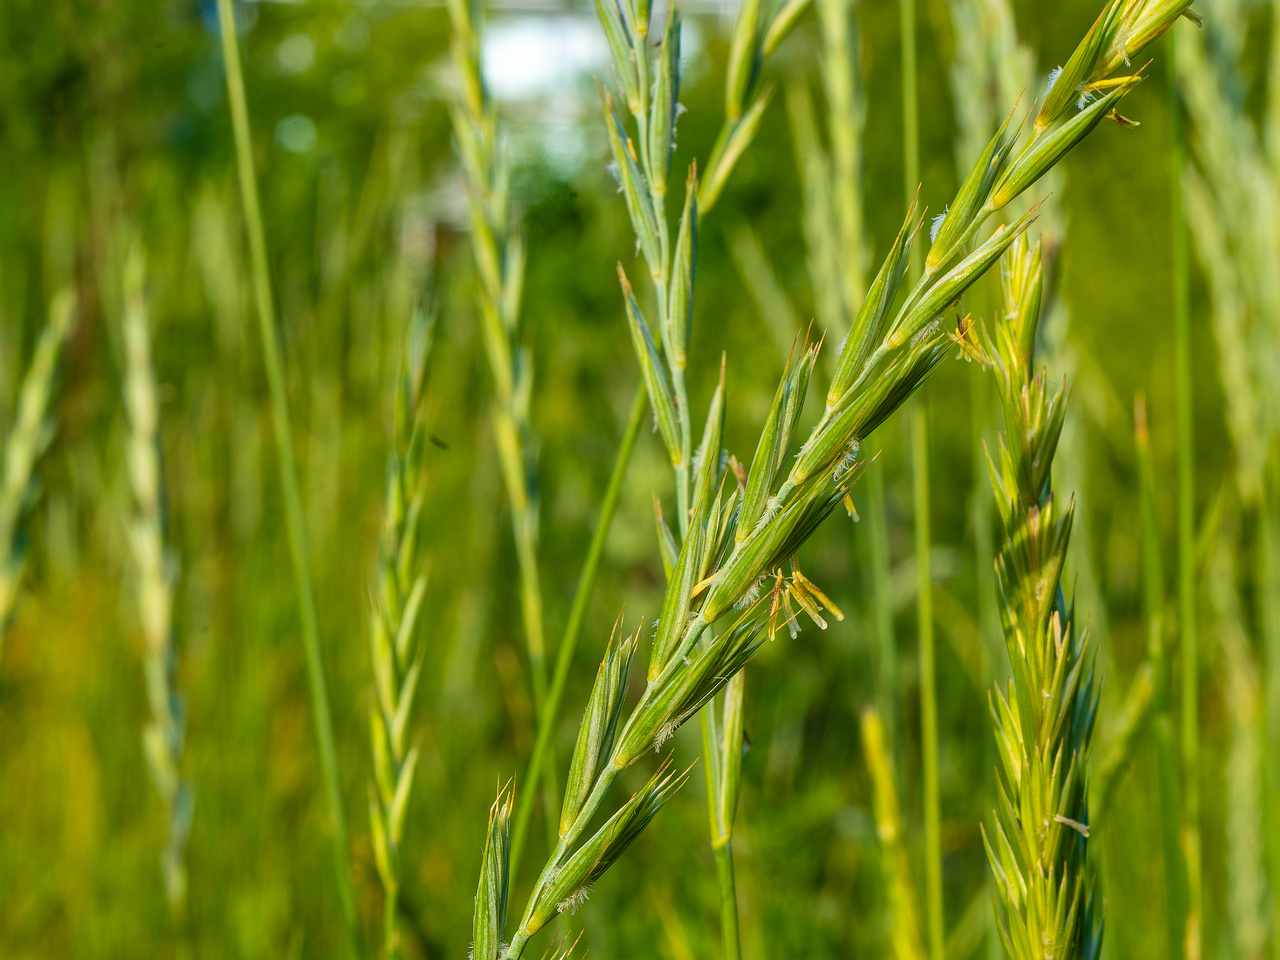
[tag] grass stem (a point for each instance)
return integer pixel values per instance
(928, 684)
(910, 109)
(920, 470)
(728, 900)
(573, 627)
(288, 468)
(882, 601)
(1157, 655)
(895, 865)
(1190, 726)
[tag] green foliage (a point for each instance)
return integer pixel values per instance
(117, 114)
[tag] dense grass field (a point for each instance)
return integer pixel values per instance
(293, 536)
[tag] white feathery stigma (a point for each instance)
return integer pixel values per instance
(665, 733)
(575, 900)
(752, 594)
(937, 223)
(847, 463)
(771, 508)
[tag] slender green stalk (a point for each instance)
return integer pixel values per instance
(722, 749)
(498, 250)
(1185, 411)
(274, 365)
(905, 937)
(910, 102)
(1246, 906)
(846, 115)
(882, 603)
(165, 733)
(728, 899)
(936, 933)
(573, 626)
(28, 438)
(928, 683)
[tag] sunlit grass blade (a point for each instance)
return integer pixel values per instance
(273, 361)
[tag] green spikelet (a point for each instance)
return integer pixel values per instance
(1037, 847)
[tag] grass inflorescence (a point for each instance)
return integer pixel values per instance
(739, 525)
(395, 621)
(1038, 844)
(28, 438)
(156, 569)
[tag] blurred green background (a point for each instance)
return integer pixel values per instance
(114, 112)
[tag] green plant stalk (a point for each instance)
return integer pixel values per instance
(843, 106)
(895, 865)
(1157, 654)
(928, 683)
(1190, 726)
(573, 626)
(728, 895)
(721, 846)
(288, 469)
(722, 753)
(935, 932)
(910, 109)
(882, 602)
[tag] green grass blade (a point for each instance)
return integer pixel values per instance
(274, 364)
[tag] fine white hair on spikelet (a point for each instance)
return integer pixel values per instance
(936, 225)
(1053, 78)
(752, 594)
(665, 733)
(771, 508)
(846, 464)
(574, 901)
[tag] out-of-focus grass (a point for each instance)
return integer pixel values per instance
(118, 111)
